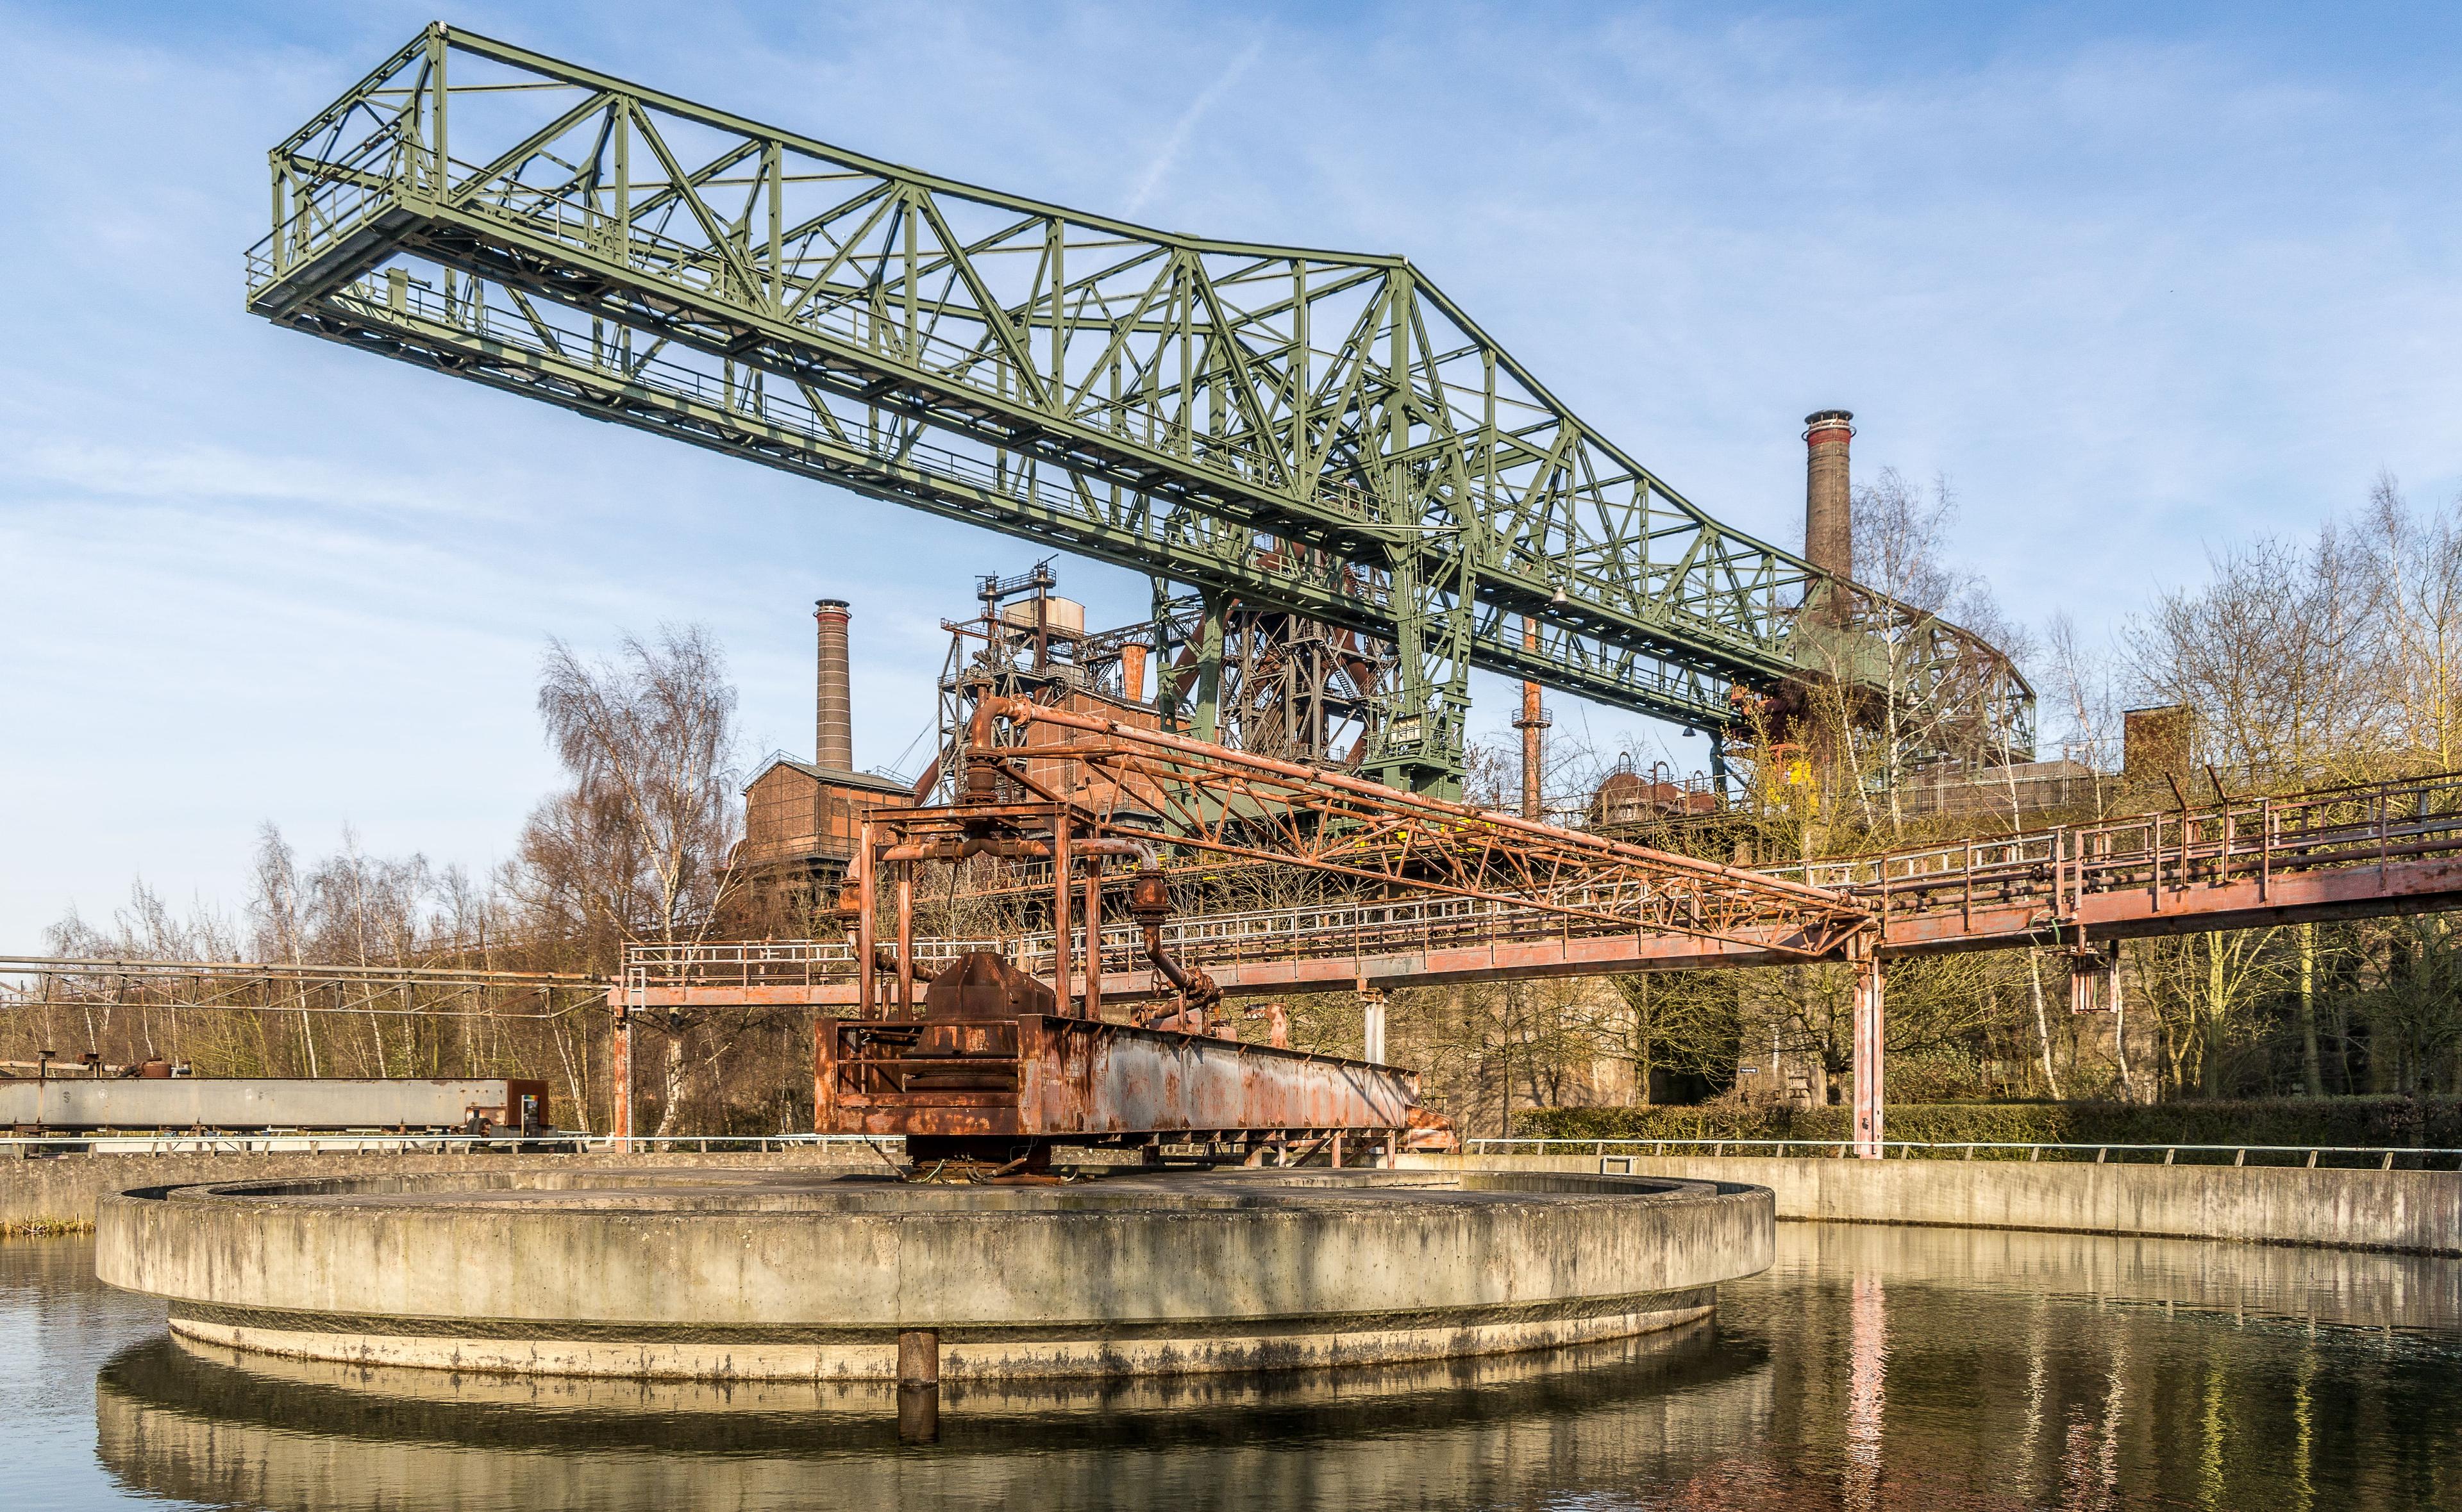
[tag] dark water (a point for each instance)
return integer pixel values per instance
(1872, 1367)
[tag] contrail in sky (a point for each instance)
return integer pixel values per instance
(1169, 154)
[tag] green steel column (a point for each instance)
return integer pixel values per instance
(1209, 665)
(1167, 688)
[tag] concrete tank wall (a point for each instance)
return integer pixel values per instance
(2412, 1211)
(763, 1275)
(58, 1193)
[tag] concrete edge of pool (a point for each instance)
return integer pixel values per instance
(785, 1275)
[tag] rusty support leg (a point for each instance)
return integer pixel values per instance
(867, 898)
(918, 1357)
(619, 1078)
(1372, 1014)
(821, 1028)
(1094, 937)
(906, 940)
(1060, 880)
(919, 1385)
(1868, 1058)
(1334, 1151)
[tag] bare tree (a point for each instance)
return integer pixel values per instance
(2276, 655)
(640, 845)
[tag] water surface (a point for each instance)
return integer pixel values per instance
(1872, 1367)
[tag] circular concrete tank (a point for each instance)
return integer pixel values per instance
(790, 1275)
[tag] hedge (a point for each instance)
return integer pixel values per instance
(2433, 1122)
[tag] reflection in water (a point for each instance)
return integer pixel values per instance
(212, 1425)
(1872, 1367)
(1868, 1356)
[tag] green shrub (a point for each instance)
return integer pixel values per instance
(2435, 1122)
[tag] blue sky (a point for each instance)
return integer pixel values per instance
(2138, 280)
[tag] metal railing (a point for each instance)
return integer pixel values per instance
(2248, 841)
(2385, 1157)
(553, 1141)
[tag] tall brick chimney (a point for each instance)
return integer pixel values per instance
(832, 712)
(1829, 517)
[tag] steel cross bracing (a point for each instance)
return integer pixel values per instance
(1321, 432)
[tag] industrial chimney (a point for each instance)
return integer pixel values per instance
(1828, 520)
(833, 715)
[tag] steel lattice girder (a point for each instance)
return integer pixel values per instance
(1323, 432)
(1240, 803)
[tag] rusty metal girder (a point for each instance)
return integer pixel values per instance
(1240, 803)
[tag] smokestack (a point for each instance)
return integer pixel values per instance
(1132, 672)
(833, 717)
(1534, 720)
(1828, 523)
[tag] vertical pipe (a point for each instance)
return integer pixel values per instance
(832, 713)
(867, 898)
(822, 1069)
(906, 940)
(1371, 1012)
(621, 1078)
(1094, 937)
(1868, 1058)
(1533, 719)
(1828, 521)
(1060, 878)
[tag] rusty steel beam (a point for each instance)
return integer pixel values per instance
(1257, 808)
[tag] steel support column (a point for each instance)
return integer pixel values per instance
(1372, 1015)
(1868, 1058)
(619, 1078)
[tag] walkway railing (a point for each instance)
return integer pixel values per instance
(2043, 874)
(41, 1146)
(2384, 1157)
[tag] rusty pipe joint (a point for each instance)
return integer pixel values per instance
(982, 756)
(1150, 901)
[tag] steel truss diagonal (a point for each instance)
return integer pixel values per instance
(1319, 432)
(1199, 797)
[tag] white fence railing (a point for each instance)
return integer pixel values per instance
(2386, 1158)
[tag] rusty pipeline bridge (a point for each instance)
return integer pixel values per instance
(1448, 893)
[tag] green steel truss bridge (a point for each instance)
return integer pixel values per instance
(1320, 432)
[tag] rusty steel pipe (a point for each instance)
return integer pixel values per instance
(1012, 850)
(1060, 899)
(905, 963)
(867, 901)
(1093, 939)
(1199, 988)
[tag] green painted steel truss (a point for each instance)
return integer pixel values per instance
(1317, 431)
